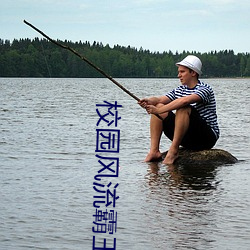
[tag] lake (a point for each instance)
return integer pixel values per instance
(48, 164)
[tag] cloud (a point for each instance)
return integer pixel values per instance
(225, 5)
(221, 2)
(83, 6)
(148, 2)
(152, 24)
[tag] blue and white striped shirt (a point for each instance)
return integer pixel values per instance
(206, 108)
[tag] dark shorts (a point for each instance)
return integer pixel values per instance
(199, 135)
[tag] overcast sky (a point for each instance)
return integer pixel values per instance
(157, 25)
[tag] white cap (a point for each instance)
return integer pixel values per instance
(191, 62)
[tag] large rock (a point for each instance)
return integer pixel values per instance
(205, 157)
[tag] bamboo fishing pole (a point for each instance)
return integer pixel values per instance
(86, 60)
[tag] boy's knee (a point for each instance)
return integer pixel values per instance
(159, 105)
(184, 110)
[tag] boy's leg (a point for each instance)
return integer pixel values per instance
(181, 127)
(199, 135)
(156, 128)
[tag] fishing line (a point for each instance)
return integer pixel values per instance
(87, 61)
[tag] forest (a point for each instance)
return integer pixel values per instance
(41, 58)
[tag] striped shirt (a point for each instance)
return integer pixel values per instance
(206, 108)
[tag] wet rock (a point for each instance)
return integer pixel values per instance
(204, 157)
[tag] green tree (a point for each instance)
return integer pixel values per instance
(247, 69)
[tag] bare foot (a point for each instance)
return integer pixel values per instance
(153, 156)
(170, 157)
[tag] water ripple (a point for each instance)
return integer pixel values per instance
(47, 152)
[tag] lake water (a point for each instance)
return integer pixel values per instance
(48, 164)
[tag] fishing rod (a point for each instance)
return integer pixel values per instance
(86, 60)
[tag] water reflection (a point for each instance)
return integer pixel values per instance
(184, 195)
(183, 177)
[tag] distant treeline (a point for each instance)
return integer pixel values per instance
(41, 58)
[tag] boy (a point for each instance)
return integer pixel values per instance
(194, 125)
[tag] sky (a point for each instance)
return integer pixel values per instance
(155, 25)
